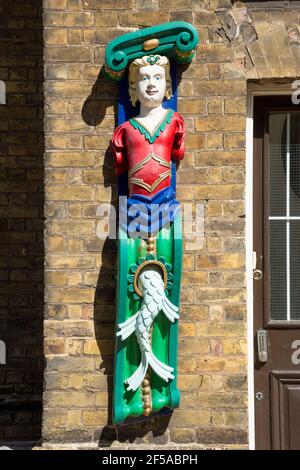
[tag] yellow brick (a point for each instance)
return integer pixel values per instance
(238, 346)
(74, 210)
(216, 383)
(186, 329)
(215, 105)
(94, 417)
(74, 279)
(214, 209)
(235, 105)
(234, 140)
(69, 399)
(185, 366)
(229, 329)
(103, 194)
(53, 419)
(187, 400)
(221, 364)
(185, 192)
(219, 191)
(80, 261)
(213, 244)
(91, 278)
(196, 141)
(192, 106)
(76, 381)
(55, 36)
(70, 193)
(96, 142)
(75, 311)
(91, 347)
(101, 399)
(106, 20)
(215, 140)
(221, 261)
(233, 175)
(194, 312)
(193, 346)
(194, 278)
(70, 294)
(216, 312)
(72, 228)
(55, 244)
(55, 311)
(236, 418)
(221, 123)
(54, 278)
(56, 106)
(74, 418)
(233, 208)
(70, 159)
(56, 177)
(75, 37)
(55, 4)
(147, 18)
(75, 245)
(188, 261)
(54, 346)
(220, 158)
(56, 142)
(187, 418)
(187, 295)
(96, 382)
(218, 87)
(75, 347)
(186, 88)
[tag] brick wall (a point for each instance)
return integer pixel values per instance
(21, 219)
(236, 44)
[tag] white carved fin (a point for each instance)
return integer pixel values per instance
(138, 376)
(128, 327)
(170, 310)
(162, 370)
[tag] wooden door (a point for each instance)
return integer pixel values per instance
(276, 275)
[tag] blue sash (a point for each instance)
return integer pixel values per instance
(143, 216)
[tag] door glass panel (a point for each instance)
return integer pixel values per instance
(284, 216)
(277, 167)
(295, 269)
(277, 287)
(295, 165)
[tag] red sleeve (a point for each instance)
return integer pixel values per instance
(119, 150)
(178, 146)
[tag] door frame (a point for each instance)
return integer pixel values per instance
(254, 89)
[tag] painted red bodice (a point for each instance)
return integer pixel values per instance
(148, 164)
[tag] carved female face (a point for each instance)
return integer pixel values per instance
(151, 85)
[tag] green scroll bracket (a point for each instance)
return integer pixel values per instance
(176, 40)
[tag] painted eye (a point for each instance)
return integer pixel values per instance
(144, 79)
(157, 78)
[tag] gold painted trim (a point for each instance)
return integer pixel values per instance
(142, 266)
(148, 187)
(147, 159)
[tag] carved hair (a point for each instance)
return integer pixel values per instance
(142, 62)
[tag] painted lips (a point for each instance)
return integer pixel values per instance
(151, 92)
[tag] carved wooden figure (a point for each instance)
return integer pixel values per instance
(146, 148)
